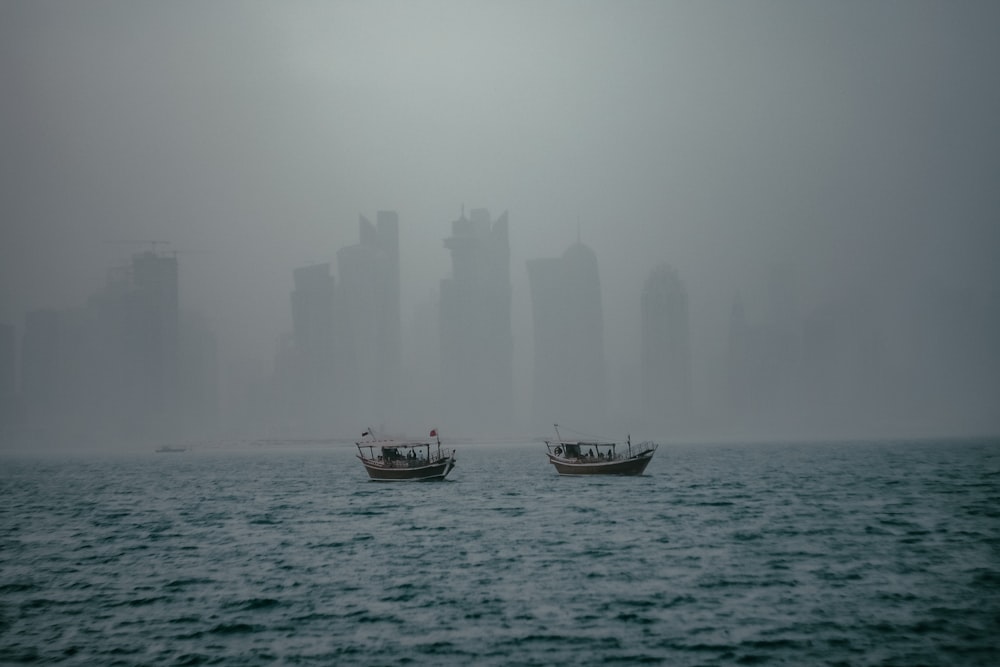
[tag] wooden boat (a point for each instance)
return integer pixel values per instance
(392, 460)
(593, 457)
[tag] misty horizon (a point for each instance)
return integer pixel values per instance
(819, 178)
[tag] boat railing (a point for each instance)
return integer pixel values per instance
(410, 462)
(620, 453)
(597, 457)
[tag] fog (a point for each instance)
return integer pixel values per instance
(817, 181)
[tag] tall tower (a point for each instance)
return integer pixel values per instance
(569, 376)
(313, 361)
(666, 350)
(118, 359)
(369, 303)
(476, 339)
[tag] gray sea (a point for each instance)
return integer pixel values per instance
(865, 553)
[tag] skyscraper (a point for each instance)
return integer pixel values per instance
(369, 303)
(665, 350)
(132, 329)
(476, 338)
(112, 368)
(313, 360)
(569, 372)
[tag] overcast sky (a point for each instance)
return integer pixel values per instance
(855, 141)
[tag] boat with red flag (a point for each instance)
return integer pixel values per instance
(400, 460)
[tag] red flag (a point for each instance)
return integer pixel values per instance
(434, 432)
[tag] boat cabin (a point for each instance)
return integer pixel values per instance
(586, 450)
(404, 452)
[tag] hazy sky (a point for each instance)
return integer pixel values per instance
(856, 141)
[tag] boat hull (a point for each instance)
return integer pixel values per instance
(630, 466)
(381, 472)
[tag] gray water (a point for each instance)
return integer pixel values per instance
(853, 554)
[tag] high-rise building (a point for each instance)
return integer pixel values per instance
(569, 371)
(666, 350)
(369, 303)
(132, 329)
(312, 361)
(116, 368)
(476, 338)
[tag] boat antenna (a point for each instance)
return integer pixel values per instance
(556, 427)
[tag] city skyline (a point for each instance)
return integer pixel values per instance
(791, 367)
(851, 148)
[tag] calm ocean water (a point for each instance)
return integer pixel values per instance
(852, 554)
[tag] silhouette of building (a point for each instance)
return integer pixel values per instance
(115, 368)
(569, 371)
(369, 304)
(311, 362)
(666, 350)
(340, 366)
(476, 338)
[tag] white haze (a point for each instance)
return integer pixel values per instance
(854, 145)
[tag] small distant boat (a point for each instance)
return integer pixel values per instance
(392, 460)
(167, 449)
(592, 457)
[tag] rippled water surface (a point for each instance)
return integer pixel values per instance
(854, 554)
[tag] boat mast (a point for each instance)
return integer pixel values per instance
(558, 437)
